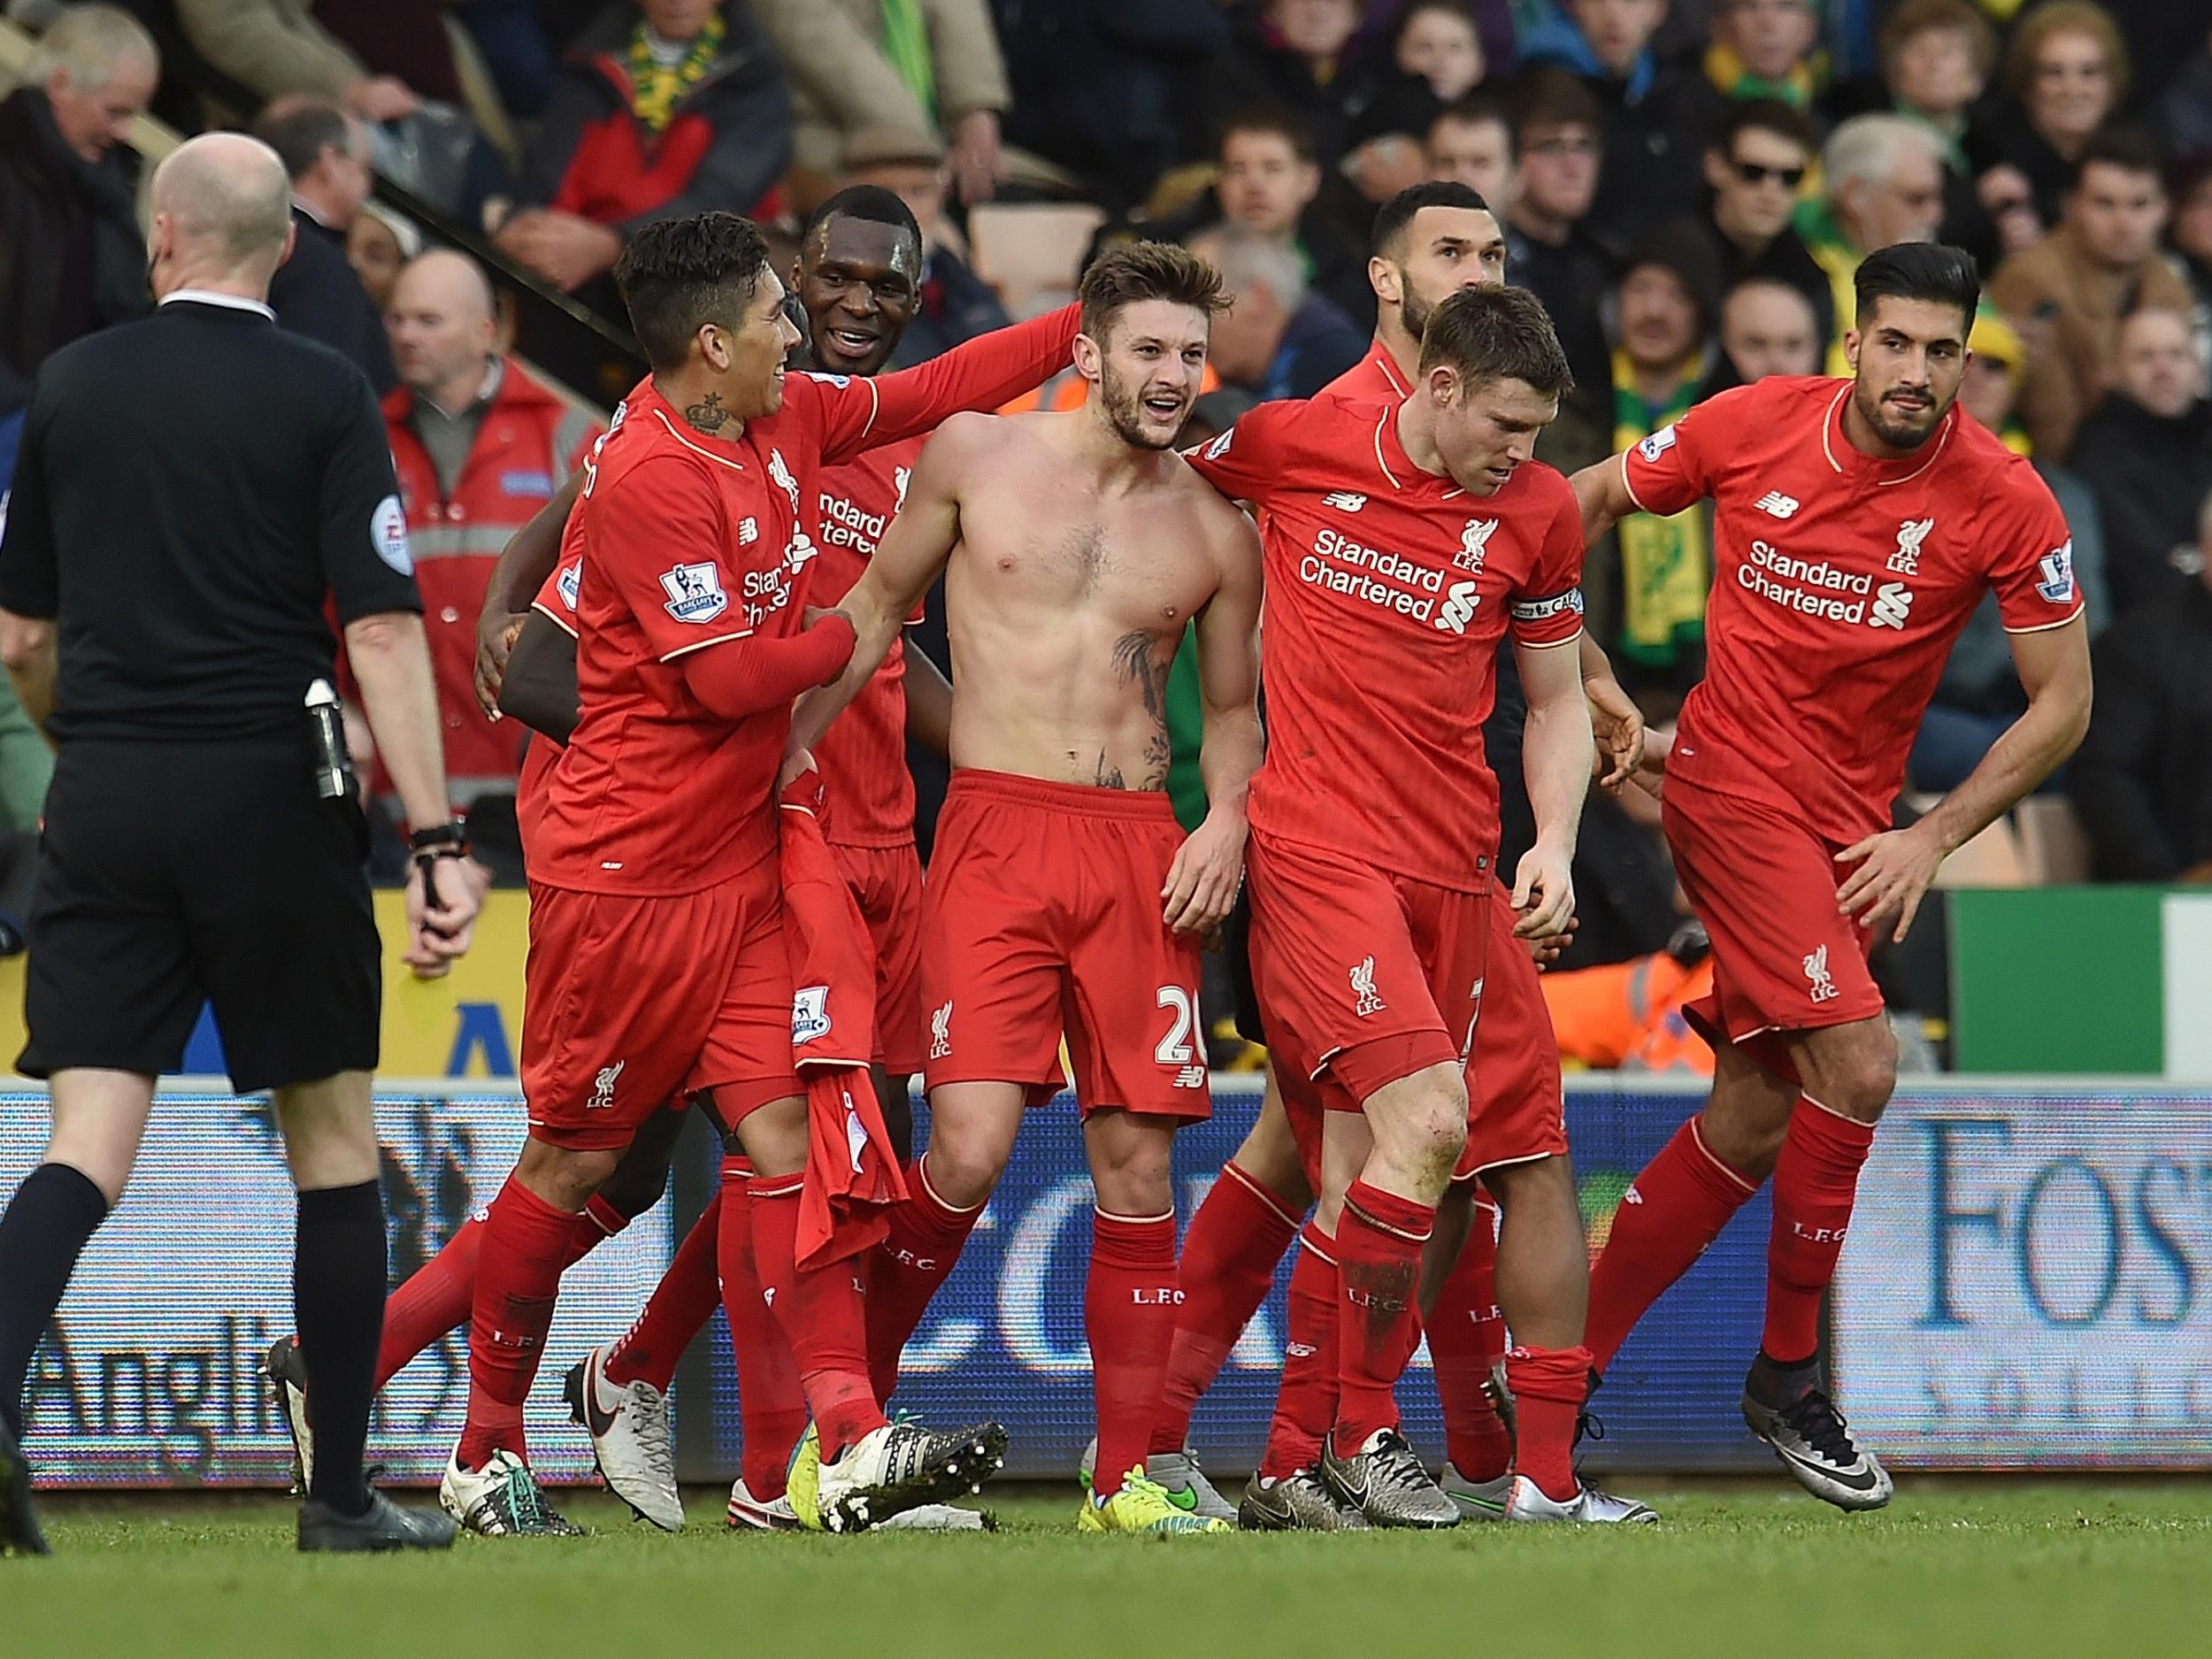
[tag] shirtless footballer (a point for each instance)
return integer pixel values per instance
(1062, 898)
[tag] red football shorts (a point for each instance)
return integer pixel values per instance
(1516, 1106)
(886, 884)
(1363, 976)
(1041, 915)
(629, 1004)
(1765, 884)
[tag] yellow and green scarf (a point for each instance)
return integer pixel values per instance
(657, 89)
(906, 43)
(1731, 78)
(1666, 564)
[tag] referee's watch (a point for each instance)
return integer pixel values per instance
(448, 840)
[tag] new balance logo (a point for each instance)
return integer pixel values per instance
(1911, 534)
(1344, 500)
(941, 1033)
(1892, 604)
(1776, 503)
(1191, 1077)
(1472, 541)
(1366, 1001)
(1823, 988)
(1459, 609)
(603, 1087)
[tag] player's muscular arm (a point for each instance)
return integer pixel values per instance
(1895, 868)
(911, 554)
(1557, 753)
(523, 563)
(1209, 867)
(928, 702)
(979, 374)
(1618, 723)
(1601, 492)
(539, 688)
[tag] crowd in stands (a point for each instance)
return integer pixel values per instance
(1688, 184)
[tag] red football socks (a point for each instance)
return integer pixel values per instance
(771, 1404)
(1549, 1386)
(1815, 1179)
(822, 1312)
(1229, 1252)
(1379, 1317)
(1674, 1207)
(523, 1246)
(680, 1304)
(1466, 1336)
(1129, 1315)
(904, 1272)
(1305, 1401)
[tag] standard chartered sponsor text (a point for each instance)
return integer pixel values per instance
(1773, 575)
(1379, 577)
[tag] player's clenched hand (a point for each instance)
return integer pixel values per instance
(1545, 951)
(439, 927)
(1618, 725)
(1543, 893)
(796, 763)
(1202, 883)
(496, 632)
(1894, 871)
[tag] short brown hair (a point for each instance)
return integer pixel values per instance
(2064, 17)
(676, 275)
(1497, 333)
(1141, 271)
(1549, 96)
(1919, 17)
(1272, 120)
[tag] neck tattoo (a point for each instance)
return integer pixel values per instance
(709, 415)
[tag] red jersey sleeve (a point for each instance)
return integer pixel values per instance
(856, 414)
(556, 599)
(2031, 550)
(1243, 460)
(1547, 608)
(665, 544)
(1676, 465)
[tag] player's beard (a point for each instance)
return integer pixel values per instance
(1899, 428)
(1125, 414)
(1416, 308)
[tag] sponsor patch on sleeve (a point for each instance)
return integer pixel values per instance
(695, 593)
(1544, 610)
(2057, 568)
(388, 534)
(1656, 445)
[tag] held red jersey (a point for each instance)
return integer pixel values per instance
(863, 755)
(1388, 591)
(1840, 583)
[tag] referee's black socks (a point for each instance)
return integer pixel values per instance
(48, 1221)
(338, 1298)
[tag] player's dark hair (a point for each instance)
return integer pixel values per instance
(679, 274)
(300, 129)
(1549, 96)
(869, 201)
(1392, 217)
(1144, 271)
(1501, 334)
(2130, 149)
(1766, 115)
(1472, 110)
(1919, 271)
(1286, 124)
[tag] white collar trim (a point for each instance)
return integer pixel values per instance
(208, 296)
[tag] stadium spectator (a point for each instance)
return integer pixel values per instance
(1760, 50)
(1269, 182)
(663, 108)
(2008, 202)
(1430, 57)
(1296, 54)
(377, 247)
(1766, 327)
(2065, 73)
(1882, 176)
(1277, 339)
(1758, 160)
(1470, 142)
(1654, 118)
(518, 52)
(1937, 56)
(928, 69)
(1548, 246)
(2146, 450)
(1437, 42)
(72, 259)
(480, 447)
(1667, 298)
(2068, 293)
(316, 291)
(956, 304)
(2143, 779)
(276, 47)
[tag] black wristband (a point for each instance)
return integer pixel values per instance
(448, 839)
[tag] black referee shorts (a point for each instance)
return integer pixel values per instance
(178, 873)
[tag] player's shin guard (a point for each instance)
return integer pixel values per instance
(526, 1243)
(1674, 1207)
(1379, 1317)
(1549, 1386)
(926, 1237)
(680, 1304)
(1229, 1252)
(1466, 1336)
(771, 1406)
(1129, 1315)
(822, 1312)
(1815, 1180)
(1305, 1400)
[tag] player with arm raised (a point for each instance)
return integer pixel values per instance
(1857, 524)
(1061, 896)
(1403, 542)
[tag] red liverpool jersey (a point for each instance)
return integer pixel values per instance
(1375, 379)
(1840, 583)
(1388, 590)
(863, 755)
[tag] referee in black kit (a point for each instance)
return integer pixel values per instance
(194, 489)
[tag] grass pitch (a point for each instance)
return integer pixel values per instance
(1957, 1569)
